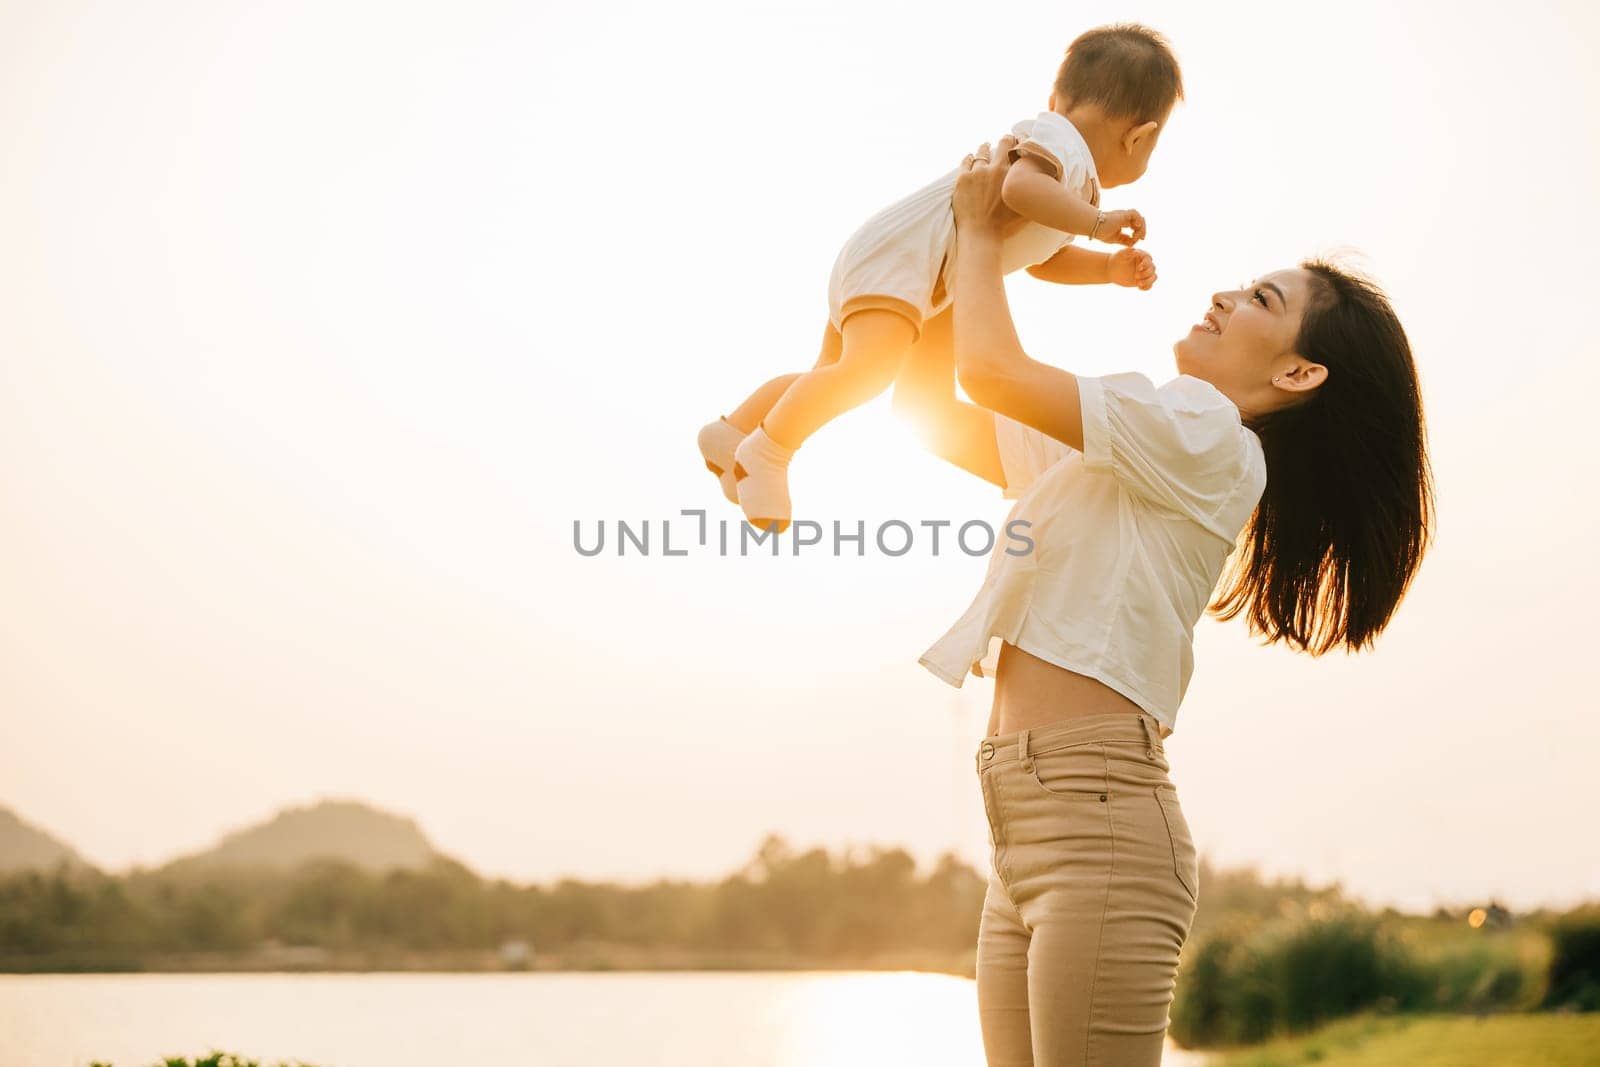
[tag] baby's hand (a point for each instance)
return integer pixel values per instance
(1112, 223)
(1132, 268)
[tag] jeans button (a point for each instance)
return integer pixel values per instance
(988, 750)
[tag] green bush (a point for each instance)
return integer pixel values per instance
(1575, 961)
(1478, 973)
(1254, 978)
(1336, 967)
(1247, 983)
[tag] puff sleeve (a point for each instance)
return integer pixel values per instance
(1053, 141)
(1180, 447)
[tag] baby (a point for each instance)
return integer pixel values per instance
(1112, 97)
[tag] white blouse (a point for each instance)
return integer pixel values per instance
(1129, 538)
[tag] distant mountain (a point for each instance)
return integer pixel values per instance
(334, 829)
(27, 848)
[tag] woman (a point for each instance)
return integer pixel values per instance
(1295, 419)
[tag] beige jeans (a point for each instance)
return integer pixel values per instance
(1091, 894)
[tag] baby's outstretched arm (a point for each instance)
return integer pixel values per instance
(1128, 267)
(1032, 192)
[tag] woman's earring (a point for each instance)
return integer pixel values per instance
(1274, 377)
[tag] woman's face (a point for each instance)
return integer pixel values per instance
(1247, 338)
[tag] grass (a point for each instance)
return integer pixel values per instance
(1509, 1040)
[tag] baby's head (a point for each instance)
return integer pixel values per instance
(1118, 85)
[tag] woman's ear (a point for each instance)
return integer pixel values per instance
(1302, 377)
(1137, 135)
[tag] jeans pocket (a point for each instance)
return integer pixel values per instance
(1185, 862)
(1074, 774)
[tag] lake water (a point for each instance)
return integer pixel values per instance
(539, 1019)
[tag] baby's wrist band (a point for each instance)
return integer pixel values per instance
(1099, 217)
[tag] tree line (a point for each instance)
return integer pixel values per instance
(806, 903)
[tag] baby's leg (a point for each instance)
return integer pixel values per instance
(718, 439)
(927, 375)
(872, 343)
(748, 415)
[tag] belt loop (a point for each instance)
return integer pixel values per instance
(1149, 736)
(1022, 753)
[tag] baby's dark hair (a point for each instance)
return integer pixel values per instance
(1127, 69)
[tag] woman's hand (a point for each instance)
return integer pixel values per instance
(991, 367)
(976, 202)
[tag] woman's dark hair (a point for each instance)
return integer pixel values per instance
(1348, 508)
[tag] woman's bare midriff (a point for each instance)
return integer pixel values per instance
(1030, 692)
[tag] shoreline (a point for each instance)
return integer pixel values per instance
(579, 957)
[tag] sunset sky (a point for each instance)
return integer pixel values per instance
(324, 322)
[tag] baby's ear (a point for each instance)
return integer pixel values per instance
(1136, 135)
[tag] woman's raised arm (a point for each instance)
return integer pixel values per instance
(989, 361)
(925, 394)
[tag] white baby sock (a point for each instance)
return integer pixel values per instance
(762, 469)
(717, 442)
